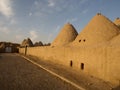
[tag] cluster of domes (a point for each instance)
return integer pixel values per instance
(99, 30)
(28, 42)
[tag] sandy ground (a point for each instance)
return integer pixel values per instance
(86, 81)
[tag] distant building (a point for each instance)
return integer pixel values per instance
(8, 47)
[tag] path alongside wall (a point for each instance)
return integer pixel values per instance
(101, 62)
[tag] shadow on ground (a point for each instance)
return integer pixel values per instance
(116, 88)
(0, 57)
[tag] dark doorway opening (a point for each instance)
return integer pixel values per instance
(82, 66)
(71, 63)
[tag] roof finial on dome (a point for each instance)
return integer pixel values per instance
(98, 13)
(117, 18)
(68, 23)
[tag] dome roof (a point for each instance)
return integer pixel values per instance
(117, 22)
(27, 42)
(38, 43)
(99, 30)
(67, 34)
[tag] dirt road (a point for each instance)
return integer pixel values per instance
(18, 74)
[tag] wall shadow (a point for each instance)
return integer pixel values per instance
(116, 88)
(0, 57)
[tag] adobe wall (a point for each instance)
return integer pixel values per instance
(113, 64)
(101, 62)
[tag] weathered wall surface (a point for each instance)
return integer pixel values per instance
(113, 64)
(101, 62)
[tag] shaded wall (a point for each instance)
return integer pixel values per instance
(9, 50)
(101, 62)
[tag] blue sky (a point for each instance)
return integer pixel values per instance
(41, 20)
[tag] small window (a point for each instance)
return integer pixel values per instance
(82, 66)
(79, 40)
(84, 40)
(71, 63)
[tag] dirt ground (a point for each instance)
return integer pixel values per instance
(16, 73)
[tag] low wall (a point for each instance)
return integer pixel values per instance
(101, 62)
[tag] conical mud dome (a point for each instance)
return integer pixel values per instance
(68, 34)
(27, 42)
(99, 30)
(38, 43)
(116, 40)
(23, 42)
(117, 22)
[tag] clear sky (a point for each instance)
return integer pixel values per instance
(41, 20)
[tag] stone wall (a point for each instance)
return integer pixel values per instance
(102, 62)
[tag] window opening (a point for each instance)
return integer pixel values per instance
(82, 66)
(71, 63)
(79, 40)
